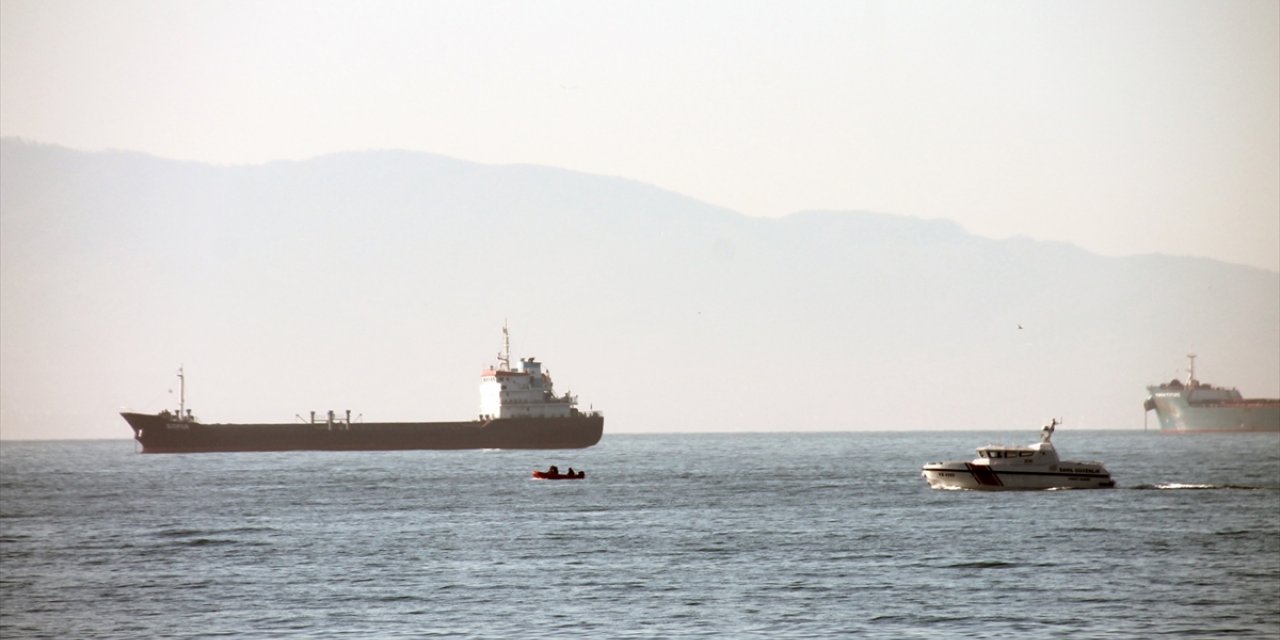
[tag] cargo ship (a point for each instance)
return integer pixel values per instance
(1193, 406)
(519, 409)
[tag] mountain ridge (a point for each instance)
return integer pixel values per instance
(378, 279)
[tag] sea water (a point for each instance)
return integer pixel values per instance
(754, 535)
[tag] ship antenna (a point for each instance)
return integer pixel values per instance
(182, 392)
(505, 357)
(1191, 376)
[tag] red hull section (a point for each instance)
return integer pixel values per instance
(165, 434)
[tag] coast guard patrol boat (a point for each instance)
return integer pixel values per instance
(1035, 466)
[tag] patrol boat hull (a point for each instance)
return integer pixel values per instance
(160, 433)
(967, 475)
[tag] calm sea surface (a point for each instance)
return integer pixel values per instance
(762, 535)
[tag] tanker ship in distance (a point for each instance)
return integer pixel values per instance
(1194, 406)
(519, 409)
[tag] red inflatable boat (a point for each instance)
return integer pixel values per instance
(556, 475)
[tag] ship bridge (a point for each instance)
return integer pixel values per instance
(522, 391)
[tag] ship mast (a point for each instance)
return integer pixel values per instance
(1191, 375)
(504, 358)
(182, 392)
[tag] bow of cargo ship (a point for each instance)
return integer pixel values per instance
(1195, 406)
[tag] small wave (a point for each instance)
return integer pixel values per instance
(178, 533)
(190, 533)
(249, 529)
(401, 597)
(984, 564)
(208, 542)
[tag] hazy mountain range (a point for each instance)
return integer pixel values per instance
(379, 282)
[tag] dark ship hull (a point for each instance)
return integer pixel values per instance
(161, 433)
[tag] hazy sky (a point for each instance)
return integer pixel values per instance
(1121, 126)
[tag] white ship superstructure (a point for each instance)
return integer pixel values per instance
(522, 391)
